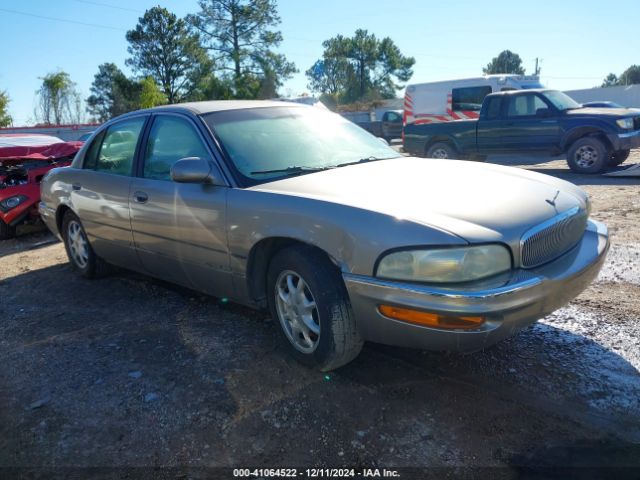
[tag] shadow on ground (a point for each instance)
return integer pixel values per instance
(128, 371)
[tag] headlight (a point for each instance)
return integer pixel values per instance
(625, 123)
(447, 265)
(11, 202)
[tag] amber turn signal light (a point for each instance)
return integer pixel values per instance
(434, 320)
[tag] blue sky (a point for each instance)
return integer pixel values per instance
(578, 42)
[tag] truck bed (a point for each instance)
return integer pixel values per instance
(416, 136)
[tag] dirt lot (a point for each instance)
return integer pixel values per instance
(127, 371)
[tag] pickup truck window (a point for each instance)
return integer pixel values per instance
(493, 108)
(561, 100)
(393, 117)
(469, 98)
(525, 105)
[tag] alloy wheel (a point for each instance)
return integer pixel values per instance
(297, 311)
(78, 245)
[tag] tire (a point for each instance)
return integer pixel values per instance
(587, 155)
(441, 150)
(6, 231)
(81, 256)
(617, 158)
(328, 338)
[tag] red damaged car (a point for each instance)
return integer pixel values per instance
(24, 160)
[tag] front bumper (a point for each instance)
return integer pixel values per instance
(625, 141)
(509, 303)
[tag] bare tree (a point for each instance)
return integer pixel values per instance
(58, 100)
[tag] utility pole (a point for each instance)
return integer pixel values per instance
(537, 70)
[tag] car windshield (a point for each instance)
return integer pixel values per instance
(561, 100)
(275, 142)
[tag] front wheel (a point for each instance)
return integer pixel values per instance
(308, 299)
(441, 150)
(6, 231)
(617, 158)
(587, 155)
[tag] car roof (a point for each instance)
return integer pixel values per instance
(200, 108)
(523, 90)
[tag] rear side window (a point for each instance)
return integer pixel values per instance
(525, 105)
(171, 138)
(119, 146)
(91, 157)
(493, 108)
(469, 98)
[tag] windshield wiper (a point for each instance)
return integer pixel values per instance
(363, 160)
(293, 170)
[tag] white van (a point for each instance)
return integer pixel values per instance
(458, 99)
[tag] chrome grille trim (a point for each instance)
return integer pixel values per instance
(550, 239)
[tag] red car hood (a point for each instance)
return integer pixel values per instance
(15, 154)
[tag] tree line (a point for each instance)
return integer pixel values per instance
(630, 76)
(228, 50)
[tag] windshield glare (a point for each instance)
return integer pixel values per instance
(561, 100)
(274, 138)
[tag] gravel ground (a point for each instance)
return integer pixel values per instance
(128, 371)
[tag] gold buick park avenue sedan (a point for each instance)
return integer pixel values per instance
(296, 210)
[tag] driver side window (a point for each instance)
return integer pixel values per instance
(171, 138)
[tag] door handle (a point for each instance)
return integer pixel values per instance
(76, 186)
(140, 197)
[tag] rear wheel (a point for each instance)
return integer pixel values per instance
(308, 300)
(441, 150)
(587, 155)
(6, 231)
(81, 255)
(617, 158)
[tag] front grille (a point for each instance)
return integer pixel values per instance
(636, 123)
(550, 239)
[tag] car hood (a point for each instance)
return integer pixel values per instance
(600, 111)
(477, 202)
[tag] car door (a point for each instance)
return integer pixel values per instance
(525, 129)
(100, 190)
(179, 229)
(391, 125)
(491, 126)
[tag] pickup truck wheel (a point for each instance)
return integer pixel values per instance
(617, 158)
(6, 231)
(587, 155)
(441, 150)
(308, 300)
(81, 255)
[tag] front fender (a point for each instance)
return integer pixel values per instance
(352, 237)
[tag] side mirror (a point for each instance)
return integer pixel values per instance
(192, 170)
(544, 112)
